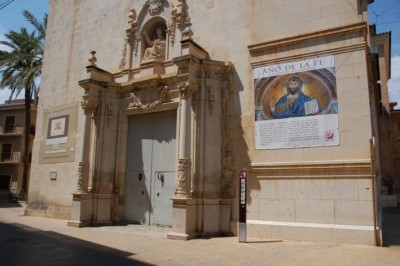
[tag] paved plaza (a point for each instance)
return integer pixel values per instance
(28, 240)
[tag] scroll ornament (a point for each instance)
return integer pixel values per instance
(183, 182)
(82, 177)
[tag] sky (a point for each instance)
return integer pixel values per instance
(384, 13)
(11, 18)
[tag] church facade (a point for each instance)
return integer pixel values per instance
(149, 109)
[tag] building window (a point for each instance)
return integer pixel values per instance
(6, 152)
(9, 124)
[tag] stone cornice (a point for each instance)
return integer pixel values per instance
(339, 50)
(98, 85)
(357, 169)
(329, 41)
(308, 36)
(154, 78)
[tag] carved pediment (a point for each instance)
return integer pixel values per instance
(149, 98)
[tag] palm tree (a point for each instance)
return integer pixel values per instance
(20, 66)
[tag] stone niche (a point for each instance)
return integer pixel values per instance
(156, 75)
(154, 42)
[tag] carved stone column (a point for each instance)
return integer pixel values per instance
(89, 105)
(184, 161)
(82, 201)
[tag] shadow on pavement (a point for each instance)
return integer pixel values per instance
(391, 226)
(8, 204)
(23, 245)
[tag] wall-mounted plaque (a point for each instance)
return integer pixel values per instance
(58, 134)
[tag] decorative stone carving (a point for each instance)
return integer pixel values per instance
(181, 13)
(186, 90)
(211, 100)
(92, 60)
(109, 113)
(83, 180)
(187, 32)
(184, 176)
(164, 95)
(122, 63)
(228, 160)
(149, 98)
(130, 37)
(172, 27)
(155, 47)
(154, 6)
(90, 105)
(134, 100)
(132, 15)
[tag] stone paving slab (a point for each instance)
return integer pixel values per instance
(58, 244)
(140, 230)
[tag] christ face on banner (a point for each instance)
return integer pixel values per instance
(294, 103)
(295, 95)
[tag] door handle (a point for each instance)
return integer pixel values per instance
(161, 178)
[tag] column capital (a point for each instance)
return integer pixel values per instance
(186, 89)
(89, 105)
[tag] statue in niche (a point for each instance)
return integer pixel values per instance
(156, 47)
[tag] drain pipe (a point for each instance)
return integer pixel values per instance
(377, 238)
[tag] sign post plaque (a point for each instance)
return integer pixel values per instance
(242, 205)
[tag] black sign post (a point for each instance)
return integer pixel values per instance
(242, 205)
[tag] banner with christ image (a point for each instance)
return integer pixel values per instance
(296, 104)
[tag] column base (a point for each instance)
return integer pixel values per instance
(183, 217)
(180, 236)
(81, 210)
(200, 217)
(78, 224)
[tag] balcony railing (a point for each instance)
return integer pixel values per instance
(13, 158)
(11, 130)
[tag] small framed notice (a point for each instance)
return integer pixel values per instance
(57, 131)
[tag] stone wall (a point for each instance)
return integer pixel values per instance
(248, 34)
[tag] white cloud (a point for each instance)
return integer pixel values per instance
(394, 82)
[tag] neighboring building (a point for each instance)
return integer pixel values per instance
(180, 95)
(380, 59)
(12, 123)
(394, 184)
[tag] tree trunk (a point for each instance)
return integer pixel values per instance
(28, 102)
